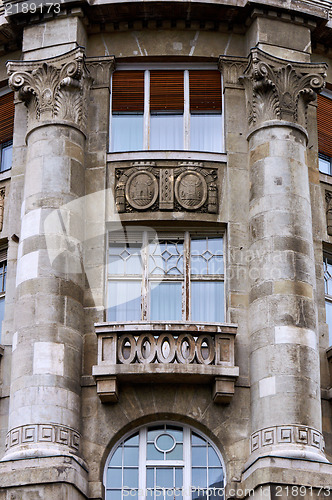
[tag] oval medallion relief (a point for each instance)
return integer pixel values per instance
(191, 190)
(141, 190)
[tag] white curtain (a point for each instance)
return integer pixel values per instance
(207, 301)
(127, 132)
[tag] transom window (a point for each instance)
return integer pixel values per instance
(165, 461)
(166, 277)
(328, 293)
(166, 109)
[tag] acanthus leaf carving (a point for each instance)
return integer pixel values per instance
(53, 89)
(280, 90)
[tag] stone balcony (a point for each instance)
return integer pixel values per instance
(166, 352)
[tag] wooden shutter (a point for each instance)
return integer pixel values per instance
(128, 91)
(166, 91)
(205, 91)
(324, 123)
(6, 117)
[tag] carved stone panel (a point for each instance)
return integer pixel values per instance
(328, 199)
(188, 186)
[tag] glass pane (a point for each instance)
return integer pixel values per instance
(328, 276)
(127, 132)
(125, 259)
(2, 313)
(206, 132)
(164, 477)
(6, 157)
(130, 477)
(124, 298)
(114, 477)
(328, 306)
(166, 257)
(166, 131)
(215, 477)
(176, 454)
(153, 453)
(165, 442)
(199, 477)
(199, 456)
(133, 440)
(178, 477)
(149, 478)
(215, 246)
(166, 301)
(197, 440)
(113, 495)
(207, 301)
(117, 457)
(324, 166)
(213, 458)
(154, 431)
(177, 433)
(130, 455)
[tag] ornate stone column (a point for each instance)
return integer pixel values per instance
(44, 417)
(284, 364)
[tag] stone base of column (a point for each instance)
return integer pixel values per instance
(271, 478)
(48, 477)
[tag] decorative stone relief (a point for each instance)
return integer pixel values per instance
(43, 433)
(280, 90)
(328, 199)
(53, 89)
(232, 69)
(286, 434)
(189, 186)
(100, 69)
(2, 205)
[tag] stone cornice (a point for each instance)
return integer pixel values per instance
(280, 90)
(53, 89)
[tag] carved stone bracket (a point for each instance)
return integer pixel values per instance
(328, 200)
(232, 69)
(280, 90)
(144, 186)
(53, 89)
(100, 69)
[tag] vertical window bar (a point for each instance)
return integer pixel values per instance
(186, 111)
(186, 264)
(223, 138)
(110, 116)
(145, 282)
(146, 120)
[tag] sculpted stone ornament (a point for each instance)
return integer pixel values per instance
(53, 88)
(144, 186)
(328, 200)
(2, 205)
(280, 90)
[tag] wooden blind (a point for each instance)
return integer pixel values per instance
(166, 91)
(128, 91)
(324, 123)
(6, 117)
(205, 91)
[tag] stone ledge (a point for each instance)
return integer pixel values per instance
(31, 471)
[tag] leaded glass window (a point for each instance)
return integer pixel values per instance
(166, 277)
(165, 461)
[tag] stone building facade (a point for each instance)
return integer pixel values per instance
(164, 249)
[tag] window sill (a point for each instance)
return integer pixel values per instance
(326, 178)
(197, 353)
(168, 155)
(5, 175)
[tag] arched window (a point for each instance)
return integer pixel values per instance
(165, 462)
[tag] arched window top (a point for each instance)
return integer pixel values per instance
(164, 461)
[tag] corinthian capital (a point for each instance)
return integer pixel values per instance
(53, 89)
(280, 90)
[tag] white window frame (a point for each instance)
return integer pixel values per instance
(144, 463)
(186, 279)
(327, 258)
(186, 109)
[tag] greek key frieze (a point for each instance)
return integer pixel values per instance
(286, 434)
(43, 433)
(187, 187)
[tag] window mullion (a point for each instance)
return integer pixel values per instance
(186, 112)
(142, 464)
(145, 278)
(187, 464)
(186, 293)
(146, 119)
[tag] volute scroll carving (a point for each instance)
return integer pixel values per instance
(279, 89)
(53, 89)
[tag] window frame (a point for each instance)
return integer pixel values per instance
(327, 260)
(186, 110)
(146, 279)
(3, 91)
(186, 463)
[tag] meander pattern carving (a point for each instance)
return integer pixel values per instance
(43, 433)
(286, 434)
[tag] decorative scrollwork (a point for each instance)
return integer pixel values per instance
(54, 88)
(280, 90)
